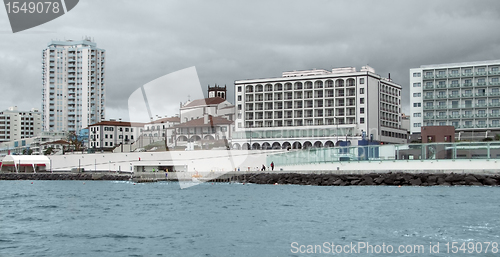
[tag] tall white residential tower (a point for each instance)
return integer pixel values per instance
(73, 94)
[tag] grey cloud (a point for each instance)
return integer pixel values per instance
(232, 40)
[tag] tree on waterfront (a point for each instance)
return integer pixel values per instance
(75, 143)
(48, 151)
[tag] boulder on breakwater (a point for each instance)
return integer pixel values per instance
(372, 179)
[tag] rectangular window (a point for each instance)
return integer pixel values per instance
(361, 110)
(362, 81)
(361, 91)
(417, 94)
(239, 107)
(239, 98)
(417, 125)
(417, 114)
(362, 120)
(361, 100)
(239, 89)
(416, 74)
(417, 84)
(417, 104)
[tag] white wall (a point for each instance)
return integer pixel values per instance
(201, 160)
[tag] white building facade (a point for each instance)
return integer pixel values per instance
(108, 135)
(73, 79)
(16, 125)
(464, 95)
(317, 108)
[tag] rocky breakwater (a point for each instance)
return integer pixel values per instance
(62, 176)
(372, 179)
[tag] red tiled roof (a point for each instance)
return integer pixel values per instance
(57, 142)
(118, 124)
(169, 119)
(206, 101)
(212, 121)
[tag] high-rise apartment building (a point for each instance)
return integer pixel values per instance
(73, 95)
(317, 108)
(17, 125)
(464, 95)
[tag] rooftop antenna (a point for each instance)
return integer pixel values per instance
(189, 98)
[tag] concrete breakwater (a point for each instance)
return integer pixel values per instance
(321, 179)
(371, 179)
(63, 176)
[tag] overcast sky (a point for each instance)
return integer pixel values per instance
(233, 40)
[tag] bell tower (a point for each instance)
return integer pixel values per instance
(217, 91)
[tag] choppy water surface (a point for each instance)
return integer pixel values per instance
(104, 218)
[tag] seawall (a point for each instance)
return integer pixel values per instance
(313, 179)
(63, 176)
(371, 179)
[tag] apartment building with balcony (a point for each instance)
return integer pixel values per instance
(73, 80)
(464, 95)
(317, 108)
(16, 125)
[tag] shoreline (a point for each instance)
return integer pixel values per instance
(64, 176)
(372, 179)
(322, 179)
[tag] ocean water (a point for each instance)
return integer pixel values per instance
(106, 218)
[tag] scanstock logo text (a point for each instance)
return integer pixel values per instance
(28, 14)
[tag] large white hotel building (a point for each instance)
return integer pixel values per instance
(73, 94)
(317, 108)
(464, 95)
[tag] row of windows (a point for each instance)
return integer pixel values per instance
(455, 113)
(300, 94)
(96, 144)
(464, 124)
(456, 71)
(393, 134)
(94, 129)
(299, 104)
(300, 85)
